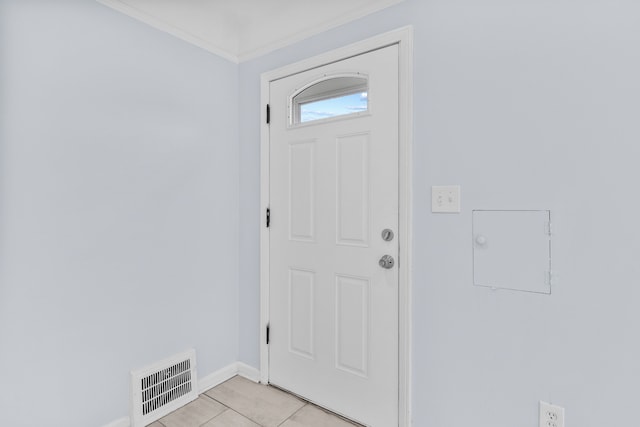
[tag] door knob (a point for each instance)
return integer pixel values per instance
(386, 261)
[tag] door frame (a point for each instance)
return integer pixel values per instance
(403, 37)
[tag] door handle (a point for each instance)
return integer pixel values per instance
(387, 262)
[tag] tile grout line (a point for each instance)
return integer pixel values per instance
(223, 405)
(228, 407)
(231, 409)
(295, 412)
(304, 403)
(206, 395)
(199, 396)
(246, 417)
(209, 420)
(302, 400)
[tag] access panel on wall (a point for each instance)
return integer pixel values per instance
(512, 250)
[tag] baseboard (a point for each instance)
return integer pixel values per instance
(218, 377)
(208, 382)
(249, 372)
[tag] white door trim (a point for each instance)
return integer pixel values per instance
(403, 37)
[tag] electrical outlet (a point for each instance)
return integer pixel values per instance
(445, 198)
(551, 415)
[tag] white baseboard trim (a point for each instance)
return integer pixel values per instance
(249, 372)
(208, 382)
(218, 377)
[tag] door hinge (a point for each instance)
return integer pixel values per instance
(268, 217)
(267, 333)
(548, 228)
(268, 114)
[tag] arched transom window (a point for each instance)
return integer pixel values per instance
(331, 97)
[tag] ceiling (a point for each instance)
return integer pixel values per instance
(244, 29)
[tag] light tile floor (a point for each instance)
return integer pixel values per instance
(239, 402)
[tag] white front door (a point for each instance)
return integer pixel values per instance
(333, 191)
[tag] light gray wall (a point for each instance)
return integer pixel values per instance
(526, 105)
(118, 198)
(118, 209)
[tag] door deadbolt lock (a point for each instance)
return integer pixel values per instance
(387, 235)
(386, 261)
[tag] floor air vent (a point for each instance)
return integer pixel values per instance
(163, 387)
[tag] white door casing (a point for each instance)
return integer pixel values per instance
(403, 38)
(334, 189)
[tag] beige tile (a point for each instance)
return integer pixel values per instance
(312, 416)
(264, 405)
(230, 418)
(193, 414)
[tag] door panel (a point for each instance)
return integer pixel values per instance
(333, 189)
(302, 190)
(301, 316)
(352, 324)
(353, 189)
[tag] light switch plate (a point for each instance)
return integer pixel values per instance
(445, 198)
